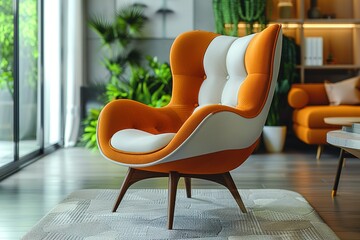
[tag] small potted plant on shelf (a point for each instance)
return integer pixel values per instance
(274, 132)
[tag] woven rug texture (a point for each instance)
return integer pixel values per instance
(209, 214)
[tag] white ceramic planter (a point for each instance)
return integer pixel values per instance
(274, 138)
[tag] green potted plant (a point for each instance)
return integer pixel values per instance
(229, 13)
(274, 132)
(150, 84)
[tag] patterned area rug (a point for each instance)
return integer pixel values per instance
(209, 214)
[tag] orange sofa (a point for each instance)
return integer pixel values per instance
(311, 106)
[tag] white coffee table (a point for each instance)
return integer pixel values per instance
(346, 141)
(341, 121)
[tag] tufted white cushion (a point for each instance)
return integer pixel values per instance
(137, 141)
(235, 64)
(225, 70)
(215, 69)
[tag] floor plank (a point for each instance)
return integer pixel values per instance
(28, 195)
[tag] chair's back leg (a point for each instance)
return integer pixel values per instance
(224, 179)
(188, 186)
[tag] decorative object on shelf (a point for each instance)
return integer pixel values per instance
(229, 13)
(166, 18)
(314, 11)
(165, 11)
(285, 8)
(330, 59)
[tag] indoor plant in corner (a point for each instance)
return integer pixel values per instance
(130, 77)
(274, 132)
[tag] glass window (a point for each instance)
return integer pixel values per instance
(29, 107)
(6, 82)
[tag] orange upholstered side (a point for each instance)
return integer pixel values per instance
(187, 66)
(254, 91)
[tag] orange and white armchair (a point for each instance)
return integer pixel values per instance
(222, 90)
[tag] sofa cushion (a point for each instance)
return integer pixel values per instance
(312, 136)
(313, 116)
(344, 92)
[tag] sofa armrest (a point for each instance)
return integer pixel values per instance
(298, 98)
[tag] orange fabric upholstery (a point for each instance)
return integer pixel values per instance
(311, 106)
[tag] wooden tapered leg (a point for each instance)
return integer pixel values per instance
(338, 173)
(133, 176)
(234, 192)
(173, 182)
(224, 179)
(188, 186)
(319, 151)
(124, 187)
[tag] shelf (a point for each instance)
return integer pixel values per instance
(340, 36)
(333, 66)
(332, 21)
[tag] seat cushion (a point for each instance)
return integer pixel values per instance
(313, 116)
(312, 136)
(136, 141)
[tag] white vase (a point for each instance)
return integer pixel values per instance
(274, 138)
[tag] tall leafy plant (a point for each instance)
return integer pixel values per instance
(150, 84)
(228, 14)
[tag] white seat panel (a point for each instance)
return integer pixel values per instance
(137, 141)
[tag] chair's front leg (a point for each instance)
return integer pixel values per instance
(134, 175)
(124, 187)
(173, 183)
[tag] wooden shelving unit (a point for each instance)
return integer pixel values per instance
(340, 34)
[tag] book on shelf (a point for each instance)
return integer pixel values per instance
(313, 54)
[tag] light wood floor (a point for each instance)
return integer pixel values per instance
(28, 195)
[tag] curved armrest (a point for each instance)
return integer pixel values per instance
(123, 114)
(298, 98)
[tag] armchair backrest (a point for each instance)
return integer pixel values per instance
(215, 69)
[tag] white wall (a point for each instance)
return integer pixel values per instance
(160, 47)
